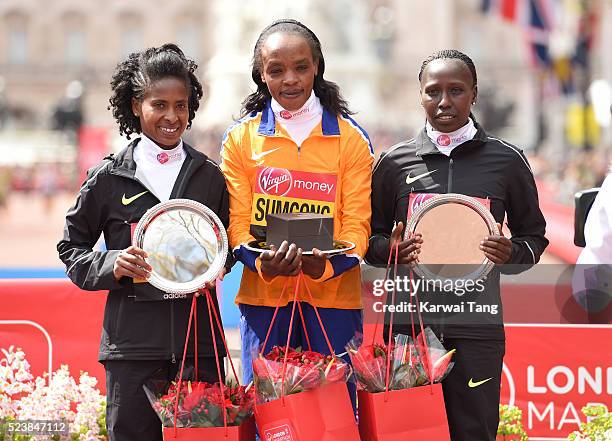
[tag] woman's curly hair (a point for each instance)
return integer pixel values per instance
(327, 91)
(139, 71)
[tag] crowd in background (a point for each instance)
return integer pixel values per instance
(563, 174)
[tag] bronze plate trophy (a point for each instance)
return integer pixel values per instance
(452, 225)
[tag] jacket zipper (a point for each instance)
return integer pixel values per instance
(449, 189)
(449, 185)
(172, 331)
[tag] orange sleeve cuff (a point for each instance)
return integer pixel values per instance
(327, 274)
(267, 279)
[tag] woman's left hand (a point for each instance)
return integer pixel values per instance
(314, 266)
(212, 284)
(497, 248)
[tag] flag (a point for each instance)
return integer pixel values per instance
(538, 31)
(508, 10)
(486, 6)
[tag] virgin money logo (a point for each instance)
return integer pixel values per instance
(285, 114)
(419, 200)
(443, 140)
(279, 433)
(275, 181)
(163, 157)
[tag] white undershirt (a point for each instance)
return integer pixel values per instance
(446, 142)
(299, 123)
(158, 168)
(593, 270)
(598, 228)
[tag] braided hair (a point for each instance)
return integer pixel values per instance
(327, 91)
(133, 76)
(450, 54)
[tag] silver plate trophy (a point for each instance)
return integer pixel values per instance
(186, 243)
(452, 226)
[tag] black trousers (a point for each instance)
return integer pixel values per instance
(129, 415)
(471, 390)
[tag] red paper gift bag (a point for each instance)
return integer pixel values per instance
(322, 414)
(244, 432)
(417, 413)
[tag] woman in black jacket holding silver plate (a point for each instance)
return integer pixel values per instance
(453, 154)
(155, 94)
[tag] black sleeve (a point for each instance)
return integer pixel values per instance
(89, 270)
(525, 220)
(384, 195)
(224, 216)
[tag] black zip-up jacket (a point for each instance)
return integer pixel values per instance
(139, 323)
(484, 167)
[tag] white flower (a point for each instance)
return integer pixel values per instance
(23, 397)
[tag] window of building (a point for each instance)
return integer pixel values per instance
(188, 33)
(16, 38)
(75, 47)
(131, 33)
(74, 38)
(188, 40)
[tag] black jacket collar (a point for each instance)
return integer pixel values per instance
(424, 145)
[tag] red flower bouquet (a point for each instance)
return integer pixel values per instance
(201, 404)
(305, 370)
(411, 364)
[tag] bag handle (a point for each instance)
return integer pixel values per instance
(299, 278)
(429, 369)
(193, 316)
(263, 348)
(390, 334)
(296, 303)
(386, 278)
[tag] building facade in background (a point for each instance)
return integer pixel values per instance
(373, 49)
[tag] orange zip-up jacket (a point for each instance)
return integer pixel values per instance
(330, 173)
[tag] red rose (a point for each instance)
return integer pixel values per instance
(310, 376)
(268, 370)
(337, 372)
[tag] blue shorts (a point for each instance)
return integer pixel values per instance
(340, 325)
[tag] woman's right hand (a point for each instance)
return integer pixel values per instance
(409, 249)
(284, 261)
(131, 263)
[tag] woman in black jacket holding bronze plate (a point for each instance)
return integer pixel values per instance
(453, 154)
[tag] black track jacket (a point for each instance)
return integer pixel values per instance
(483, 167)
(139, 324)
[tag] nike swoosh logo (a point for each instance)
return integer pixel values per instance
(473, 383)
(410, 179)
(128, 201)
(258, 156)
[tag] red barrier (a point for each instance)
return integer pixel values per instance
(551, 369)
(54, 322)
(559, 225)
(557, 357)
